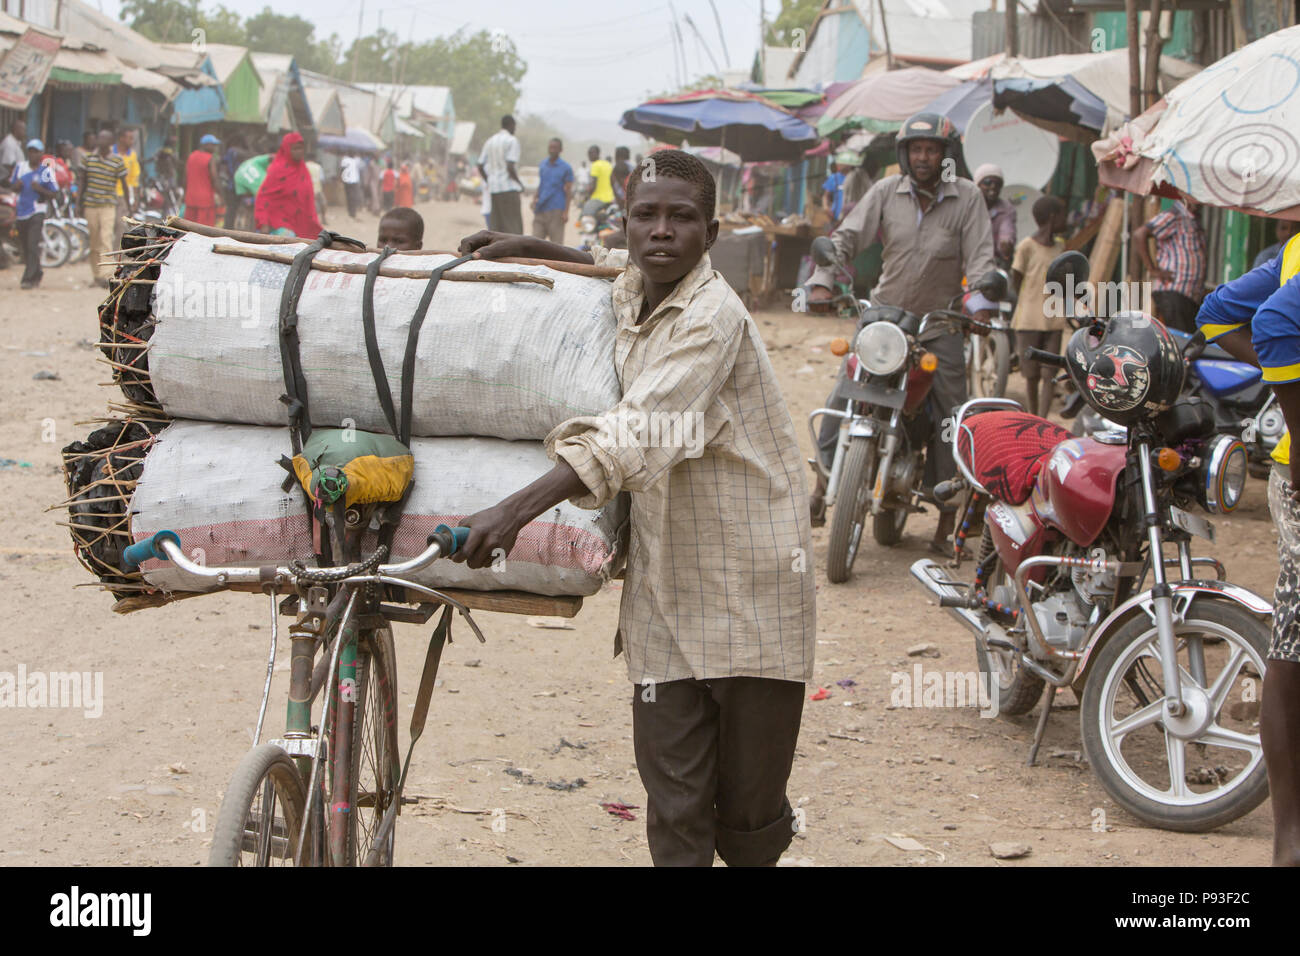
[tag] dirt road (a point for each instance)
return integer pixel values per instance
(516, 723)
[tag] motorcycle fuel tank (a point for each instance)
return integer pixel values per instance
(1075, 491)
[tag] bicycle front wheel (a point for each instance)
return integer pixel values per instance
(370, 758)
(261, 816)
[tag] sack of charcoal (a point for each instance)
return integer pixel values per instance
(295, 401)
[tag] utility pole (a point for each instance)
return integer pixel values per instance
(356, 47)
(1013, 28)
(722, 37)
(884, 28)
(762, 42)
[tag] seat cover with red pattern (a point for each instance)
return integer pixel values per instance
(1009, 450)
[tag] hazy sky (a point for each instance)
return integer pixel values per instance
(591, 59)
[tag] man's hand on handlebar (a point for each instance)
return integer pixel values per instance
(819, 298)
(492, 534)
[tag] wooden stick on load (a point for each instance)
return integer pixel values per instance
(359, 268)
(176, 222)
(559, 265)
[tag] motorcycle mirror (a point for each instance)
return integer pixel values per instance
(1070, 270)
(993, 284)
(823, 251)
(1195, 346)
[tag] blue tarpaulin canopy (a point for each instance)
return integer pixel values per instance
(358, 139)
(745, 124)
(1060, 99)
(961, 102)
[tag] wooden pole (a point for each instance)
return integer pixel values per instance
(1013, 29)
(1134, 59)
(1154, 44)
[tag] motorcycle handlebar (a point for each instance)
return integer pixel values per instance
(1044, 357)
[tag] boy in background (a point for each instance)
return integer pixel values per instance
(1035, 324)
(401, 229)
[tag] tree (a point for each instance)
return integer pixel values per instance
(224, 25)
(271, 32)
(482, 69)
(164, 21)
(534, 133)
(794, 15)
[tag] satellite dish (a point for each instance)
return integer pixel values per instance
(1026, 153)
(1023, 199)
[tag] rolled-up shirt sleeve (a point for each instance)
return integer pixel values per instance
(858, 229)
(976, 239)
(1233, 304)
(668, 413)
(1275, 333)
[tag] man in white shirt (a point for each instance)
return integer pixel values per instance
(350, 174)
(11, 148)
(497, 165)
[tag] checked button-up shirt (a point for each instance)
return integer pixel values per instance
(719, 578)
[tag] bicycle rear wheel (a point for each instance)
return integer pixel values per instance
(261, 815)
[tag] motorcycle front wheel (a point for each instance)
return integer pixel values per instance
(1199, 771)
(850, 512)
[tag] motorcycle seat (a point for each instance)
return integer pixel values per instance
(1004, 451)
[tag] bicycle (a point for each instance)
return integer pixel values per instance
(327, 798)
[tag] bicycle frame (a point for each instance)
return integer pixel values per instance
(334, 623)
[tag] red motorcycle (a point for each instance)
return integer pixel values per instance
(1169, 674)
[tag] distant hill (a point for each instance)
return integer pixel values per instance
(580, 132)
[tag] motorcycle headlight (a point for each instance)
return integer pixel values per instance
(881, 347)
(1222, 474)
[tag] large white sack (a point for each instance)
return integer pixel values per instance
(509, 360)
(219, 487)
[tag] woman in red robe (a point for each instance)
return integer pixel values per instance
(405, 187)
(200, 187)
(286, 201)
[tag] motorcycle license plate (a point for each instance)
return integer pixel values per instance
(871, 394)
(1192, 524)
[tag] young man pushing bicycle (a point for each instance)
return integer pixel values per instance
(718, 617)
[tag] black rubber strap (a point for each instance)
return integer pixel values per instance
(295, 382)
(372, 340)
(413, 340)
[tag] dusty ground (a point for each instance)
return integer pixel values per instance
(141, 784)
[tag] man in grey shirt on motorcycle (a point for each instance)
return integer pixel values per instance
(935, 229)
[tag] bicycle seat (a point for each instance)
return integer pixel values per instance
(1005, 450)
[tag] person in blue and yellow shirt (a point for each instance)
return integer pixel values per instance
(1256, 318)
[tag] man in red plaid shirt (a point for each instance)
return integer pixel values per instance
(1179, 269)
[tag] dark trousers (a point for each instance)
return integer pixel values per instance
(1175, 310)
(353, 193)
(29, 240)
(715, 756)
(507, 216)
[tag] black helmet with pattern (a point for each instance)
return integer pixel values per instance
(1127, 367)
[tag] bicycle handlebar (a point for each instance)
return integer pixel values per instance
(166, 546)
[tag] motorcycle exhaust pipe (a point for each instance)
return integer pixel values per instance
(951, 596)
